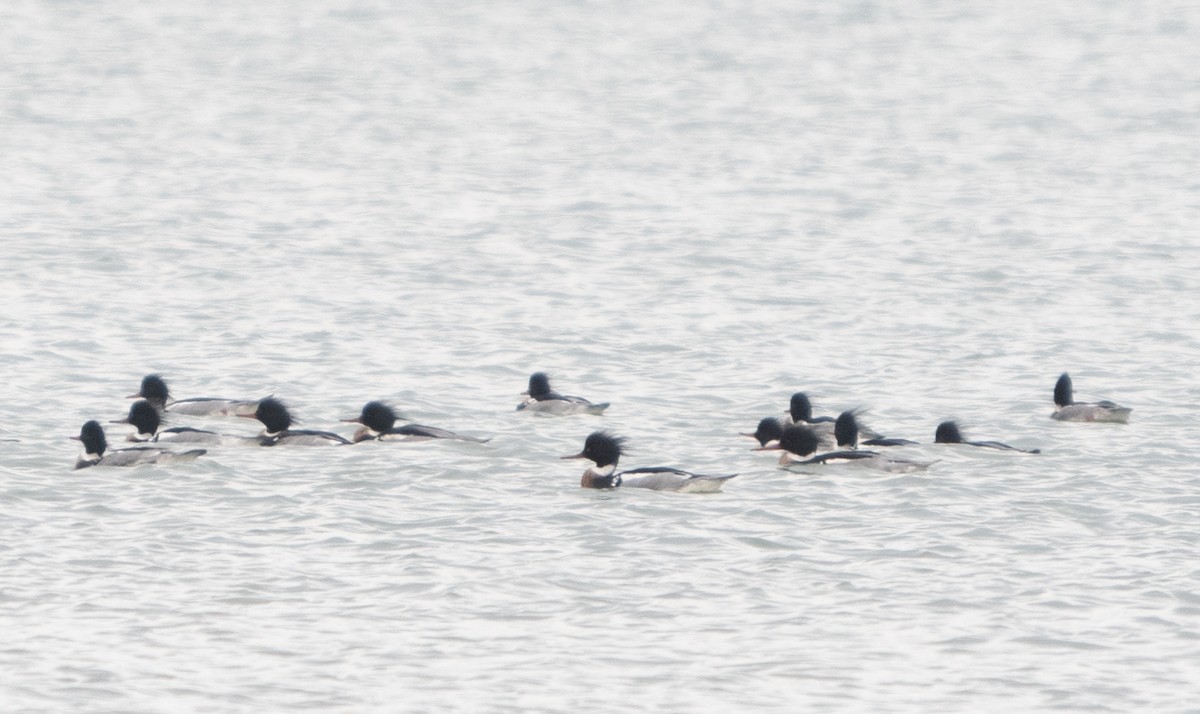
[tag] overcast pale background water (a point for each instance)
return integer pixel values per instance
(690, 210)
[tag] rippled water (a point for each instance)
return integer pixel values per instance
(691, 211)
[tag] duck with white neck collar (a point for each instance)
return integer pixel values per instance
(97, 453)
(605, 450)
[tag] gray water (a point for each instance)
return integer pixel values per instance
(691, 210)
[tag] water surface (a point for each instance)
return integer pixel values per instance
(691, 211)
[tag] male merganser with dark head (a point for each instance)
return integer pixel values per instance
(154, 390)
(277, 421)
(1067, 409)
(147, 420)
(948, 433)
(768, 431)
(800, 410)
(544, 400)
(847, 428)
(96, 453)
(800, 443)
(378, 421)
(800, 413)
(605, 450)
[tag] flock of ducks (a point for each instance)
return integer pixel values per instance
(377, 422)
(804, 440)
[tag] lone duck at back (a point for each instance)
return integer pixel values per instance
(1067, 409)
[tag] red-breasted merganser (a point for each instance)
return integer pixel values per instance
(948, 433)
(154, 390)
(378, 421)
(605, 451)
(544, 400)
(1067, 409)
(277, 422)
(97, 453)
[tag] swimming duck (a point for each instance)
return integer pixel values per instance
(948, 433)
(96, 452)
(847, 429)
(800, 413)
(1067, 409)
(378, 421)
(800, 443)
(544, 400)
(769, 430)
(147, 420)
(605, 450)
(154, 390)
(277, 422)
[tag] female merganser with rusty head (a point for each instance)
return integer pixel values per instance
(1067, 409)
(544, 400)
(154, 390)
(378, 421)
(605, 450)
(277, 422)
(948, 433)
(96, 452)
